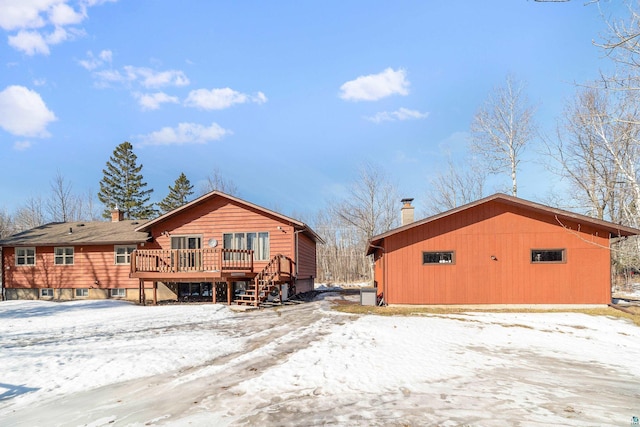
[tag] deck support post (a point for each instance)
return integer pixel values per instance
(155, 293)
(229, 292)
(142, 295)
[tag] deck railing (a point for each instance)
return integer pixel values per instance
(191, 260)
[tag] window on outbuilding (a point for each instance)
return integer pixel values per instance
(444, 257)
(542, 256)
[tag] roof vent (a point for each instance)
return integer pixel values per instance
(70, 230)
(80, 225)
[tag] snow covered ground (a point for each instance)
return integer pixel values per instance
(112, 363)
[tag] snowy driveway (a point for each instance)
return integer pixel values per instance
(108, 363)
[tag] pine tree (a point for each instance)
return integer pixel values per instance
(178, 194)
(122, 186)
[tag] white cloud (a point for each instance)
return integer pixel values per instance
(62, 14)
(24, 113)
(34, 42)
(152, 101)
(184, 133)
(401, 114)
(376, 86)
(42, 23)
(17, 14)
(146, 77)
(151, 78)
(92, 62)
(29, 42)
(60, 35)
(219, 99)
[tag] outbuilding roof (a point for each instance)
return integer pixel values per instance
(75, 233)
(560, 214)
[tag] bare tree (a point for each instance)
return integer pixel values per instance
(89, 209)
(7, 227)
(340, 259)
(598, 148)
(459, 184)
(30, 215)
(370, 207)
(502, 128)
(584, 160)
(217, 181)
(622, 43)
(62, 205)
(371, 203)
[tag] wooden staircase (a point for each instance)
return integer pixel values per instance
(277, 271)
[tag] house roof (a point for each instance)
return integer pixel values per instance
(560, 214)
(298, 225)
(75, 233)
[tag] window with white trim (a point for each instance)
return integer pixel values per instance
(444, 257)
(82, 292)
(546, 256)
(63, 256)
(118, 293)
(256, 241)
(46, 292)
(25, 256)
(123, 254)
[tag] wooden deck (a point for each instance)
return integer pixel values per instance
(213, 265)
(191, 264)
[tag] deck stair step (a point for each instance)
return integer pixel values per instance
(277, 271)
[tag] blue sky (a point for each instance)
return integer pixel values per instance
(284, 98)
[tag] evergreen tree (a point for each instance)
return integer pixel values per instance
(122, 186)
(178, 194)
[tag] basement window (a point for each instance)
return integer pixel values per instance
(546, 256)
(118, 293)
(445, 257)
(82, 292)
(46, 293)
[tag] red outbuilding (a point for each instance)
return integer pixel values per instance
(497, 250)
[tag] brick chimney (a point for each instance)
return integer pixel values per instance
(407, 211)
(116, 215)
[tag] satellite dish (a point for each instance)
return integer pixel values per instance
(213, 243)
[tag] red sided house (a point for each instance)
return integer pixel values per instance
(497, 250)
(217, 247)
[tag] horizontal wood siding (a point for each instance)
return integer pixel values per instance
(306, 257)
(93, 267)
(219, 215)
(508, 234)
